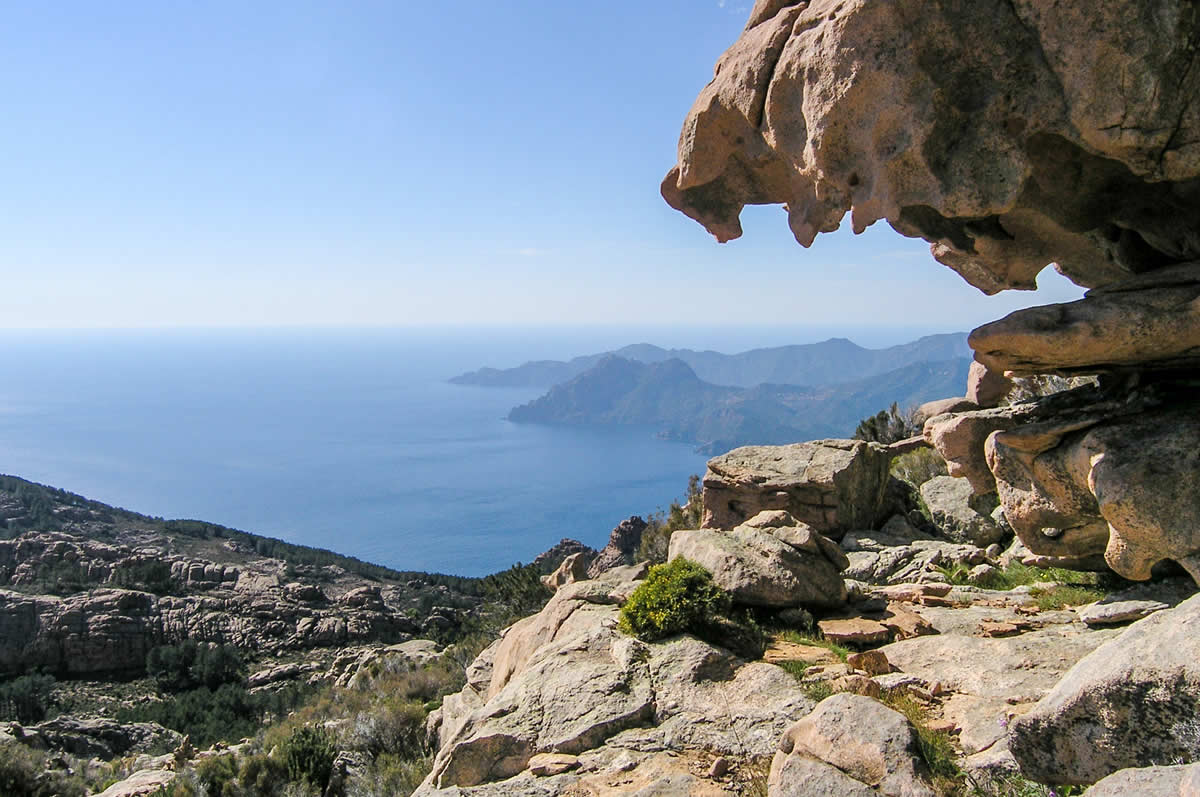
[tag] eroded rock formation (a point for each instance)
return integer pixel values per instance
(1010, 135)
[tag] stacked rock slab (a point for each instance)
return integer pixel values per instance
(1072, 139)
(833, 486)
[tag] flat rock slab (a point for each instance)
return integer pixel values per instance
(855, 631)
(781, 650)
(1118, 612)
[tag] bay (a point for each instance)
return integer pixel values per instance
(350, 440)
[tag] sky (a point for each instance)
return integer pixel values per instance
(399, 163)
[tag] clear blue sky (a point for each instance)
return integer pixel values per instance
(332, 163)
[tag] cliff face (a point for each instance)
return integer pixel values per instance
(1010, 135)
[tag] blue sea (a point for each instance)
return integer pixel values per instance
(350, 440)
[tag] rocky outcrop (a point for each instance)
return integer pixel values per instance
(831, 485)
(1134, 700)
(850, 745)
(622, 546)
(93, 737)
(771, 561)
(1069, 140)
(1005, 158)
(549, 560)
(573, 568)
(565, 681)
(112, 630)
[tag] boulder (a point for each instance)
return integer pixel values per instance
(573, 568)
(1181, 780)
(931, 409)
(773, 567)
(566, 682)
(952, 506)
(1120, 482)
(622, 546)
(985, 387)
(140, 784)
(1134, 699)
(850, 745)
(831, 485)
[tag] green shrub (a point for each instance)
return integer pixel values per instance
(190, 665)
(675, 597)
(919, 466)
(394, 774)
(656, 538)
(263, 775)
(888, 426)
(393, 726)
(23, 773)
(26, 698)
(309, 754)
(218, 775)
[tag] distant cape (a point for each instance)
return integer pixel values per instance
(765, 396)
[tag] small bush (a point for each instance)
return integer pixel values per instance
(395, 726)
(218, 775)
(656, 539)
(190, 665)
(675, 597)
(26, 698)
(309, 754)
(23, 773)
(888, 426)
(263, 775)
(393, 774)
(918, 467)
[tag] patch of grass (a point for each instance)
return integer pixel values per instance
(795, 668)
(936, 746)
(1013, 785)
(1061, 596)
(817, 690)
(1018, 575)
(814, 639)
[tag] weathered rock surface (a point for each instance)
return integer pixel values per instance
(565, 681)
(93, 737)
(622, 545)
(1133, 700)
(777, 567)
(141, 783)
(1182, 780)
(853, 745)
(831, 485)
(985, 387)
(1122, 483)
(997, 155)
(881, 559)
(1148, 322)
(573, 568)
(952, 505)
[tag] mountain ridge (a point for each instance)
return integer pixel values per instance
(831, 361)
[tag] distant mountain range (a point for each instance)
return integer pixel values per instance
(834, 361)
(670, 397)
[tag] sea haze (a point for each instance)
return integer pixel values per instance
(348, 440)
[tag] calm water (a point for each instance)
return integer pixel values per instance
(348, 440)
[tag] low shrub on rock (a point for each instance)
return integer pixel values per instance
(675, 597)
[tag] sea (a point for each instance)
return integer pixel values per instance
(348, 439)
